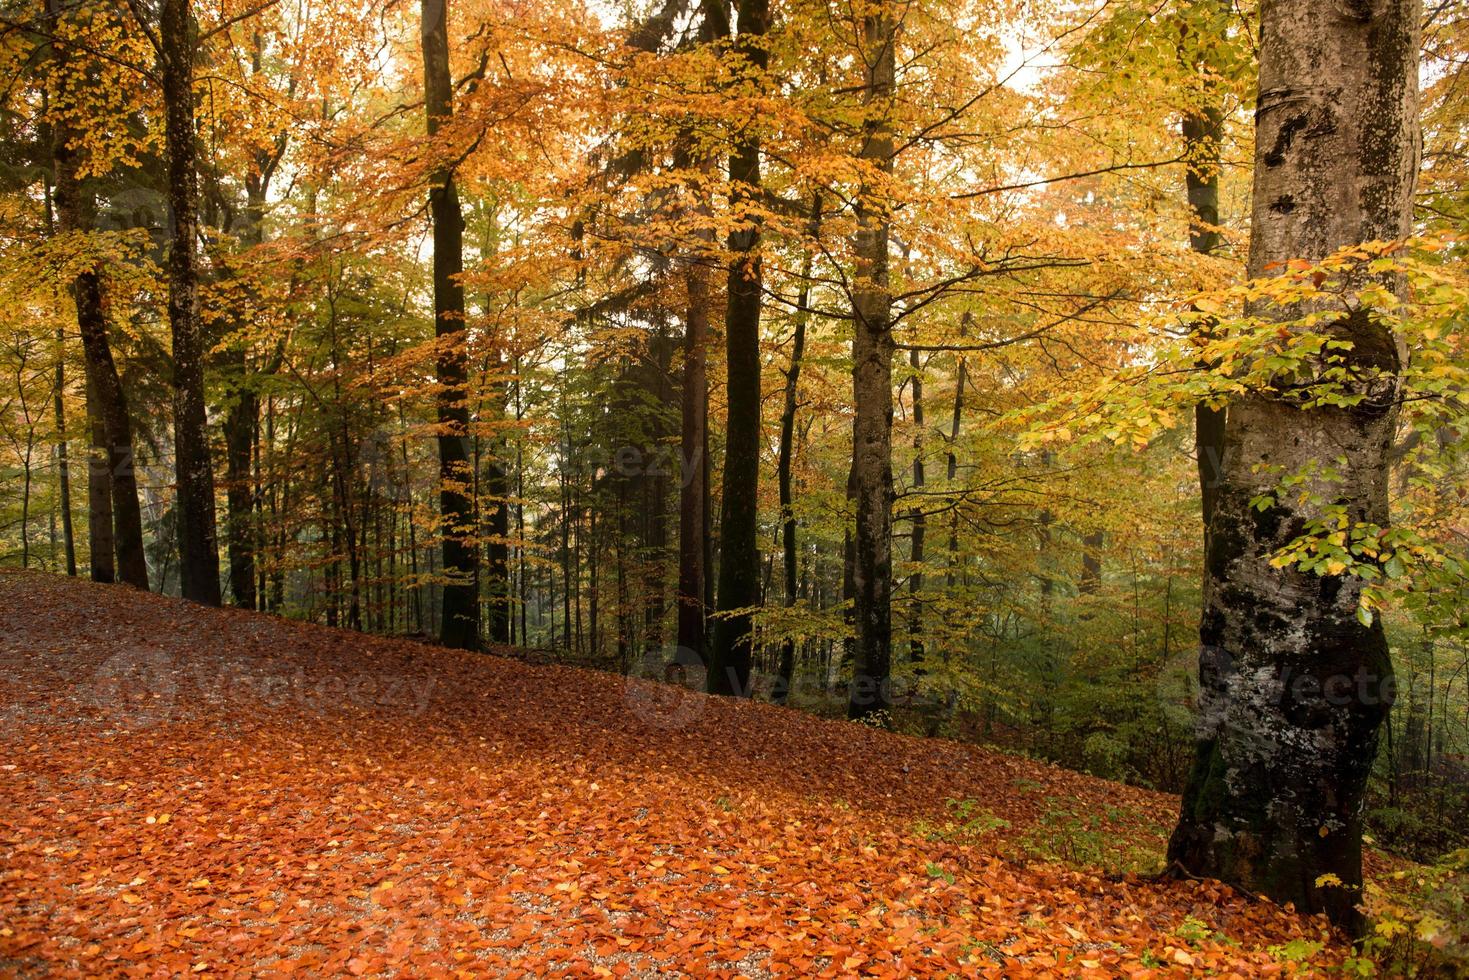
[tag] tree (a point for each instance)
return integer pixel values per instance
(693, 504)
(175, 42)
(1203, 138)
(872, 385)
(115, 517)
(787, 667)
(1294, 684)
(739, 552)
(460, 623)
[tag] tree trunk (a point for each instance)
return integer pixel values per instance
(872, 388)
(241, 421)
(961, 378)
(99, 488)
(194, 471)
(693, 498)
(115, 519)
(1293, 687)
(497, 524)
(787, 669)
(1203, 133)
(63, 463)
(739, 552)
(460, 620)
(920, 524)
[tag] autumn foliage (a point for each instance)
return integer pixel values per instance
(228, 794)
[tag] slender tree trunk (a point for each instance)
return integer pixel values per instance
(63, 461)
(1203, 133)
(242, 418)
(1293, 686)
(872, 388)
(787, 668)
(239, 438)
(961, 378)
(520, 505)
(1090, 579)
(497, 493)
(739, 550)
(788, 517)
(125, 537)
(693, 498)
(99, 495)
(115, 519)
(460, 626)
(920, 524)
(194, 471)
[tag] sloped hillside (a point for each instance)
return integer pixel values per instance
(225, 793)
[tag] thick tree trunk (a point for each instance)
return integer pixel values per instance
(872, 387)
(460, 621)
(739, 552)
(1294, 687)
(194, 471)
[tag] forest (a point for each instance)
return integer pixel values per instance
(1082, 381)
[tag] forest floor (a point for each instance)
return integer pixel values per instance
(188, 790)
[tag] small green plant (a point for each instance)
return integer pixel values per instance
(1296, 951)
(967, 822)
(1088, 841)
(939, 871)
(1193, 931)
(1419, 921)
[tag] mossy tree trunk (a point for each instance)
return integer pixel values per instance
(1294, 686)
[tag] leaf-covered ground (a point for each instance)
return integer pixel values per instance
(225, 793)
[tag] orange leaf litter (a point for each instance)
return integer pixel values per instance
(201, 792)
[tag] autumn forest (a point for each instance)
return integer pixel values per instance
(978, 450)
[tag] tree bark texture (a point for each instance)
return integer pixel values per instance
(870, 695)
(460, 621)
(193, 468)
(739, 551)
(1294, 687)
